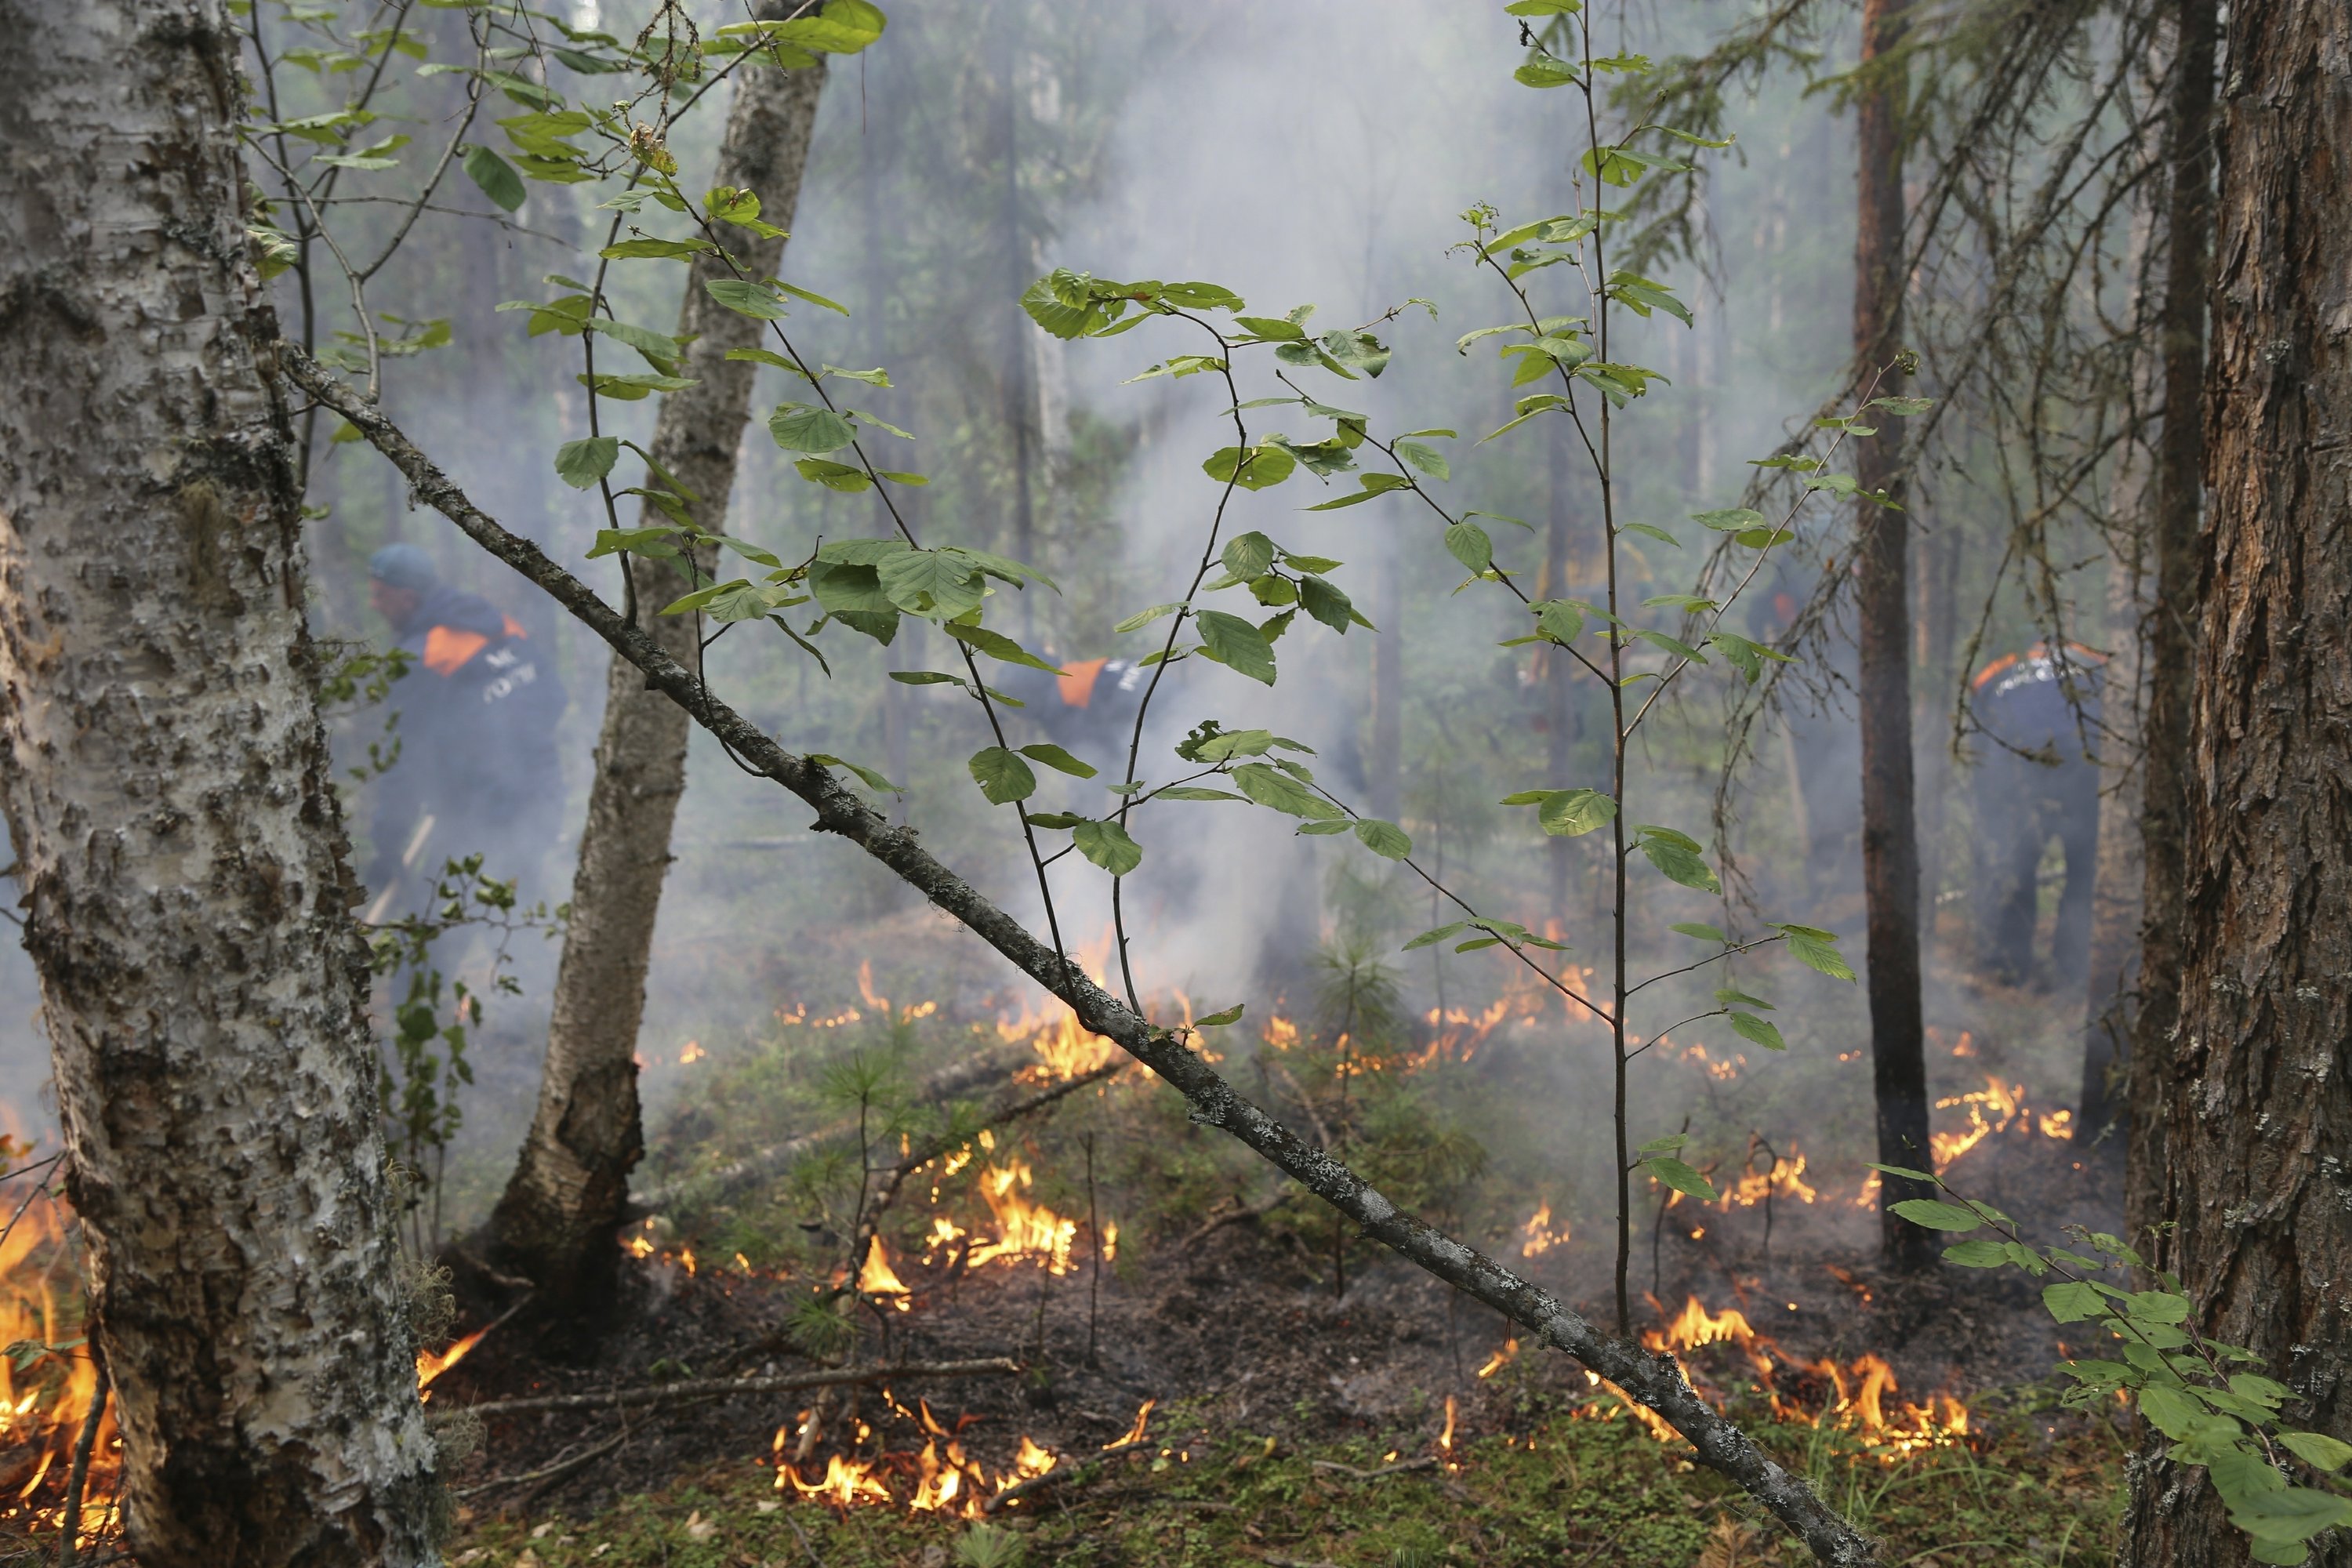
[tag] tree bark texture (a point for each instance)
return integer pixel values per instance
(2172, 627)
(555, 1224)
(2121, 870)
(170, 801)
(1653, 1379)
(2256, 1106)
(1890, 840)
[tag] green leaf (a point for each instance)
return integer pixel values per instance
(2158, 1307)
(996, 645)
(1237, 645)
(1679, 649)
(1467, 543)
(1816, 950)
(833, 476)
(2169, 1410)
(1193, 792)
(1248, 555)
(1651, 531)
(938, 583)
(1430, 938)
(495, 177)
(1413, 454)
(1748, 1027)
(1385, 839)
(1054, 757)
(1541, 69)
(1232, 1014)
(801, 427)
(2290, 1516)
(1003, 777)
(1680, 1178)
(1107, 846)
(1258, 469)
(2070, 1301)
(746, 298)
(868, 775)
(1270, 786)
(582, 463)
(1905, 1171)
(928, 678)
(1373, 485)
(2317, 1449)
(1573, 813)
(1678, 859)
(1700, 931)
(656, 249)
(1978, 1254)
(799, 294)
(1142, 619)
(1935, 1215)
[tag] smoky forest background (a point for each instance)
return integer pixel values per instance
(1685, 658)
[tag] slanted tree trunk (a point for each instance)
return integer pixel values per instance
(2256, 1105)
(1890, 840)
(170, 804)
(2172, 628)
(555, 1225)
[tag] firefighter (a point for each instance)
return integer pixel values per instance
(1089, 708)
(476, 714)
(2035, 783)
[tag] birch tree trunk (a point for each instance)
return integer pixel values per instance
(2257, 1105)
(1890, 840)
(555, 1224)
(169, 799)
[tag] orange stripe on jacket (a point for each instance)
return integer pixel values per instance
(1077, 682)
(446, 648)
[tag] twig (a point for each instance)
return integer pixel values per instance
(553, 1472)
(803, 1540)
(1235, 1216)
(716, 1387)
(69, 1523)
(1080, 1474)
(1399, 1468)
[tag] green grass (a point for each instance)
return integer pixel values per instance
(1567, 1492)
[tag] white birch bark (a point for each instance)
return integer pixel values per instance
(168, 794)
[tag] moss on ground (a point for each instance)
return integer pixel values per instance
(1569, 1492)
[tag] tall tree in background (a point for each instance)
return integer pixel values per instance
(556, 1223)
(1890, 842)
(176, 832)
(2172, 630)
(2245, 1199)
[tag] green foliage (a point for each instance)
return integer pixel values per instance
(2227, 1421)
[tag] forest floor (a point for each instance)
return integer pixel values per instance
(1391, 1424)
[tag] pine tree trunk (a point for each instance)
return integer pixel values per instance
(2172, 630)
(170, 804)
(2255, 1102)
(1890, 840)
(2121, 871)
(555, 1225)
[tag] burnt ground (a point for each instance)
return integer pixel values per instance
(1243, 1332)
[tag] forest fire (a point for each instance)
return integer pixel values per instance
(1540, 1236)
(945, 1477)
(1852, 1397)
(1026, 1229)
(49, 1383)
(431, 1364)
(875, 1277)
(1995, 1109)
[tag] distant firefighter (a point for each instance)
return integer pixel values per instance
(477, 771)
(1089, 709)
(2033, 782)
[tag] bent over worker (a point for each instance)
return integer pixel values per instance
(476, 770)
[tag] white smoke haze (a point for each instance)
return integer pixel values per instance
(1316, 151)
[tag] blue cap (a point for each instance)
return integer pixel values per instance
(402, 566)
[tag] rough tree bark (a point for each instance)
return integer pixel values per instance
(1654, 1379)
(1890, 840)
(170, 804)
(555, 1224)
(2172, 630)
(2256, 1105)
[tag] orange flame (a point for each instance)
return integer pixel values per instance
(1027, 1229)
(430, 1364)
(1540, 1236)
(1500, 1359)
(45, 1394)
(1135, 1433)
(877, 1278)
(1445, 1438)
